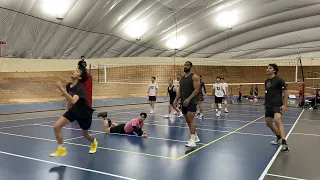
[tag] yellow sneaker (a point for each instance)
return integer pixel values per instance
(94, 146)
(61, 151)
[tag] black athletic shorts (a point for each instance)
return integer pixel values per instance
(152, 98)
(171, 101)
(189, 108)
(84, 122)
(218, 100)
(271, 110)
(118, 129)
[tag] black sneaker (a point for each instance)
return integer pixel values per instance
(103, 114)
(285, 148)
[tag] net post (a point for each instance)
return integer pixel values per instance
(296, 73)
(105, 72)
(303, 82)
(98, 72)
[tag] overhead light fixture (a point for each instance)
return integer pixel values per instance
(227, 19)
(176, 42)
(55, 7)
(136, 29)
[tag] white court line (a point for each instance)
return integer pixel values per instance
(278, 151)
(314, 120)
(24, 125)
(151, 122)
(33, 118)
(82, 136)
(101, 132)
(316, 135)
(285, 177)
(70, 166)
(154, 124)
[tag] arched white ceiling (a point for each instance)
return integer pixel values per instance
(96, 28)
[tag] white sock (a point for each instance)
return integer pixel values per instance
(193, 136)
(60, 145)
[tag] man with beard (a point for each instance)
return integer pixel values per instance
(188, 92)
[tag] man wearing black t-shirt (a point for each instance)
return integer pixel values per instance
(276, 91)
(82, 64)
(79, 111)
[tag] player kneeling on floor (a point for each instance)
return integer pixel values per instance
(132, 127)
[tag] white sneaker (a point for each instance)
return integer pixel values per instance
(180, 115)
(151, 112)
(200, 116)
(218, 114)
(166, 116)
(311, 108)
(197, 139)
(226, 111)
(191, 143)
(276, 142)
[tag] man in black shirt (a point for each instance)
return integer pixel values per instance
(79, 111)
(82, 64)
(189, 87)
(276, 91)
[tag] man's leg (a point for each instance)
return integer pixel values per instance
(277, 118)
(61, 151)
(273, 127)
(85, 124)
(189, 114)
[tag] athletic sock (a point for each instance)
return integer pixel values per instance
(60, 145)
(284, 142)
(278, 136)
(193, 136)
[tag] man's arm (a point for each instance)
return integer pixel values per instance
(157, 90)
(196, 86)
(285, 92)
(137, 131)
(204, 88)
(178, 96)
(71, 100)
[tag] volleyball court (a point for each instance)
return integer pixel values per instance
(228, 141)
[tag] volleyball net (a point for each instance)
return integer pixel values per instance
(247, 73)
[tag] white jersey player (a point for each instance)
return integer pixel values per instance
(152, 93)
(219, 94)
(225, 99)
(176, 84)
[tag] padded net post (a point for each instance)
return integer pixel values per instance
(88, 88)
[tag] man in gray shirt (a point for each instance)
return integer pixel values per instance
(188, 92)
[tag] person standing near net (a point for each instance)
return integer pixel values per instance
(275, 105)
(152, 93)
(188, 93)
(225, 98)
(82, 64)
(79, 111)
(200, 98)
(172, 91)
(219, 93)
(176, 85)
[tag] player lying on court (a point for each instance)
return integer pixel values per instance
(79, 111)
(133, 127)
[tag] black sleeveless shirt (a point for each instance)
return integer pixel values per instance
(186, 89)
(172, 93)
